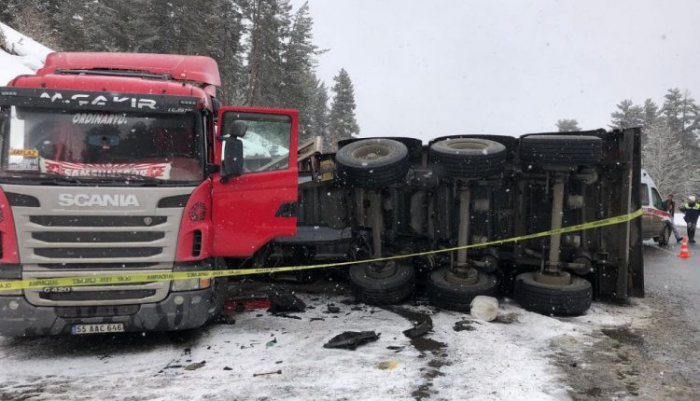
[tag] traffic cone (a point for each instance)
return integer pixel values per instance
(684, 250)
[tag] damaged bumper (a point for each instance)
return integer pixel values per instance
(178, 311)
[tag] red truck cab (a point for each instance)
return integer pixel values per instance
(116, 163)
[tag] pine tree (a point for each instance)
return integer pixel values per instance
(319, 113)
(227, 50)
(651, 114)
(568, 125)
(680, 112)
(627, 116)
(663, 146)
(299, 65)
(342, 117)
(268, 34)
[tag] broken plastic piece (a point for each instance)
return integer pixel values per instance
(352, 339)
(420, 329)
(286, 303)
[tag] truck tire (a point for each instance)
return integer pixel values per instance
(468, 157)
(382, 291)
(561, 150)
(569, 300)
(458, 297)
(372, 163)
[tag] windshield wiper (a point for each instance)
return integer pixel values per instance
(138, 177)
(57, 178)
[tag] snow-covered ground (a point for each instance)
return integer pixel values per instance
(19, 55)
(510, 359)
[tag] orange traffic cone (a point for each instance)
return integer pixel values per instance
(684, 250)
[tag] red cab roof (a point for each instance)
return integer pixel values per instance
(199, 69)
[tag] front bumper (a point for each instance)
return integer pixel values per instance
(178, 311)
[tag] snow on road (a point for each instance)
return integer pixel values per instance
(510, 359)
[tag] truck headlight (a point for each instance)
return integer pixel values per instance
(190, 284)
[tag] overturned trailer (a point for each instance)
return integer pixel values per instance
(382, 197)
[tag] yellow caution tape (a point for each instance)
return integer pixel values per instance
(117, 279)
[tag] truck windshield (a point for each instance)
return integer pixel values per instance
(100, 145)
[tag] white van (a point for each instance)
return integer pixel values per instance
(654, 217)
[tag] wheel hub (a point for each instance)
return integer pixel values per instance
(560, 279)
(381, 270)
(462, 276)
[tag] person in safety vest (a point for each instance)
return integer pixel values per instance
(692, 212)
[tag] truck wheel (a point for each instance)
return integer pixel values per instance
(457, 296)
(391, 285)
(559, 300)
(372, 163)
(468, 157)
(561, 150)
(664, 237)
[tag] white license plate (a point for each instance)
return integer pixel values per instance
(97, 328)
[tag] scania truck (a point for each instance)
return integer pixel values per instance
(117, 163)
(112, 163)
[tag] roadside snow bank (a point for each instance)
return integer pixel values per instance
(20, 54)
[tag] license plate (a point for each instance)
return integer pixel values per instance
(97, 328)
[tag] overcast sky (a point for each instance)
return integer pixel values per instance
(430, 68)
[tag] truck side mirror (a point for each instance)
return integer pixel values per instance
(232, 160)
(237, 129)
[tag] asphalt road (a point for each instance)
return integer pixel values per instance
(657, 357)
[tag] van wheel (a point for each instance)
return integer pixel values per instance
(561, 150)
(468, 157)
(664, 237)
(571, 299)
(387, 285)
(372, 163)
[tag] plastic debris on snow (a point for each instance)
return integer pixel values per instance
(352, 339)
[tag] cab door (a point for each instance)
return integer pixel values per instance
(258, 202)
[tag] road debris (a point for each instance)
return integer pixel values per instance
(484, 308)
(286, 302)
(195, 366)
(420, 329)
(277, 372)
(464, 325)
(387, 365)
(352, 339)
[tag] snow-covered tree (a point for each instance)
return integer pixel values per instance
(268, 34)
(628, 115)
(32, 18)
(319, 113)
(299, 70)
(568, 125)
(663, 146)
(343, 124)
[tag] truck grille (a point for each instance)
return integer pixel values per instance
(98, 221)
(96, 253)
(56, 240)
(70, 312)
(98, 238)
(88, 295)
